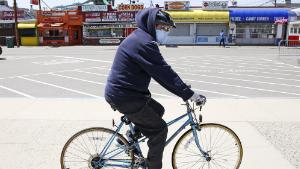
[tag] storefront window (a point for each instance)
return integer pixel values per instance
(53, 34)
(27, 32)
(254, 30)
(108, 32)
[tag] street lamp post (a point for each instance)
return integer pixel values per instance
(16, 23)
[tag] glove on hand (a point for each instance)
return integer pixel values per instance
(198, 99)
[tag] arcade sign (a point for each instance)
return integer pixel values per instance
(177, 5)
(215, 5)
(130, 7)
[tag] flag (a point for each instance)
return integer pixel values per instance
(34, 2)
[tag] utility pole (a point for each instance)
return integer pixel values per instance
(40, 7)
(16, 23)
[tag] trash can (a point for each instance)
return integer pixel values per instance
(10, 42)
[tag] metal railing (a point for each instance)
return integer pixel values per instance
(289, 52)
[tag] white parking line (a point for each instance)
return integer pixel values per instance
(37, 74)
(226, 94)
(245, 87)
(85, 59)
(74, 78)
(60, 87)
(266, 77)
(233, 61)
(215, 92)
(15, 91)
(244, 80)
(209, 63)
(213, 67)
(99, 82)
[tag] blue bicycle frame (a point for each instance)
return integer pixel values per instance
(127, 163)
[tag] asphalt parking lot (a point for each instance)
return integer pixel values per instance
(81, 72)
(47, 94)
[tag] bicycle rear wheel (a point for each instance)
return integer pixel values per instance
(84, 147)
(220, 142)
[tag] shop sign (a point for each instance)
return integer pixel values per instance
(91, 8)
(130, 7)
(177, 5)
(215, 5)
(255, 19)
(200, 16)
(9, 15)
(53, 13)
(93, 17)
(109, 16)
(258, 15)
(125, 16)
(52, 20)
(109, 41)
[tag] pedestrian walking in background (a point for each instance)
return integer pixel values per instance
(222, 40)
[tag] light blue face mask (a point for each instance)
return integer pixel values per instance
(161, 36)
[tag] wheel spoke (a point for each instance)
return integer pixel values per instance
(221, 143)
(84, 147)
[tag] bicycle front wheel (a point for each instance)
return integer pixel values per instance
(220, 142)
(83, 148)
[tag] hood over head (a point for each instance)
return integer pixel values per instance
(145, 20)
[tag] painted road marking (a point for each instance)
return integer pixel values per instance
(209, 63)
(244, 80)
(234, 62)
(245, 87)
(15, 91)
(88, 81)
(267, 77)
(57, 62)
(209, 91)
(85, 59)
(212, 67)
(74, 78)
(60, 87)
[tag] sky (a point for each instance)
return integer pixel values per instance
(51, 3)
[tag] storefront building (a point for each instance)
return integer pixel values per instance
(7, 22)
(256, 26)
(105, 26)
(197, 26)
(59, 27)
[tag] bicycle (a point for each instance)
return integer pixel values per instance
(207, 145)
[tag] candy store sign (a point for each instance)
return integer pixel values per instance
(130, 7)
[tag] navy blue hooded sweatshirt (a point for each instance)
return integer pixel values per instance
(137, 60)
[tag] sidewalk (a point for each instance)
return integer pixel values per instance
(33, 132)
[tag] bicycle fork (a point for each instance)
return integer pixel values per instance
(205, 154)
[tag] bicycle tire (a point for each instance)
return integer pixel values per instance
(106, 134)
(194, 159)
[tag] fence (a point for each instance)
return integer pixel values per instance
(289, 52)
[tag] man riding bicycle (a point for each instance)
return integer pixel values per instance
(138, 59)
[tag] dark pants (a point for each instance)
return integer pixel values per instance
(149, 121)
(222, 41)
